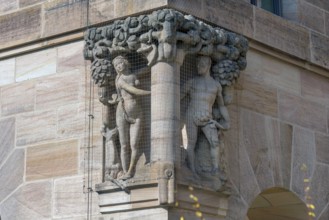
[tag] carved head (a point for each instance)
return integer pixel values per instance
(203, 64)
(121, 64)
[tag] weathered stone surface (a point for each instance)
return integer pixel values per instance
(58, 90)
(304, 159)
(7, 137)
(101, 10)
(315, 87)
(36, 64)
(286, 139)
(319, 50)
(273, 72)
(11, 173)
(17, 98)
(303, 112)
(31, 201)
(71, 121)
(7, 71)
(322, 148)
(35, 127)
(281, 34)
(16, 28)
(319, 188)
(70, 57)
(193, 7)
(63, 15)
(104, 10)
(70, 199)
(320, 3)
(256, 96)
(325, 214)
(234, 15)
(310, 16)
(52, 160)
(6, 6)
(237, 207)
(247, 184)
(24, 3)
(258, 133)
(326, 19)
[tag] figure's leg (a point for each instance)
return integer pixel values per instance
(135, 131)
(211, 134)
(192, 136)
(123, 128)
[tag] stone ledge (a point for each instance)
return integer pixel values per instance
(130, 196)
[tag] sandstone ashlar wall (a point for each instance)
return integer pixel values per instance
(279, 128)
(43, 108)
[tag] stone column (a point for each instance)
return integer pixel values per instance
(165, 120)
(165, 111)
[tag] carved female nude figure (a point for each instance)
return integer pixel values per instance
(129, 115)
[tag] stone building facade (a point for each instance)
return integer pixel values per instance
(51, 149)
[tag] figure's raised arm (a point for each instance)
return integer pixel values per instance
(133, 90)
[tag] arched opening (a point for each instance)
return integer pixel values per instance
(277, 204)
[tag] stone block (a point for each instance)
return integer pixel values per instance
(233, 15)
(257, 96)
(69, 57)
(70, 199)
(71, 121)
(193, 7)
(16, 28)
(311, 16)
(102, 10)
(286, 139)
(303, 112)
(52, 160)
(304, 159)
(237, 207)
(31, 201)
(7, 137)
(6, 6)
(326, 21)
(325, 214)
(281, 34)
(36, 64)
(258, 133)
(25, 3)
(17, 98)
(322, 144)
(35, 127)
(58, 90)
(320, 49)
(315, 87)
(319, 188)
(11, 173)
(247, 184)
(7, 71)
(63, 15)
(320, 3)
(273, 72)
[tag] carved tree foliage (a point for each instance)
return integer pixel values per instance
(158, 36)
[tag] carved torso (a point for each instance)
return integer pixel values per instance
(203, 92)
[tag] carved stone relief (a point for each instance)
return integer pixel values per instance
(164, 36)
